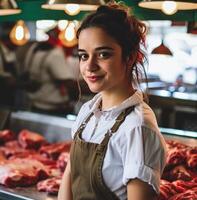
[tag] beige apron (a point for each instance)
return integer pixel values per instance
(87, 161)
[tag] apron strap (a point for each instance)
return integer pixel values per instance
(82, 126)
(119, 120)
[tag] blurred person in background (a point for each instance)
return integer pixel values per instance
(46, 77)
(7, 70)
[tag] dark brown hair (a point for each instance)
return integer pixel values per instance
(115, 19)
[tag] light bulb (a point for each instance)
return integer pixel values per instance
(169, 7)
(19, 34)
(72, 9)
(68, 35)
(62, 24)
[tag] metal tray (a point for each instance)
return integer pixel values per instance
(28, 193)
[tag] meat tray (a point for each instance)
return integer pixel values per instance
(53, 128)
(29, 193)
(59, 129)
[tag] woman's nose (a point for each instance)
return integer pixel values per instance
(92, 64)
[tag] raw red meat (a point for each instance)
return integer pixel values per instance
(181, 173)
(182, 186)
(192, 158)
(34, 156)
(176, 156)
(175, 144)
(2, 157)
(62, 160)
(31, 140)
(51, 185)
(6, 135)
(187, 195)
(14, 144)
(54, 150)
(167, 189)
(10, 150)
(21, 172)
(53, 171)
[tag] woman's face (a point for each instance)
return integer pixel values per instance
(100, 59)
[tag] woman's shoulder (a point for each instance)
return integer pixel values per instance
(143, 115)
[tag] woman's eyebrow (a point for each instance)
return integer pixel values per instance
(98, 49)
(104, 48)
(81, 50)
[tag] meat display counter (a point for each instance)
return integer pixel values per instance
(53, 128)
(58, 129)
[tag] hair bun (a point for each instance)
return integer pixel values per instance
(103, 9)
(113, 12)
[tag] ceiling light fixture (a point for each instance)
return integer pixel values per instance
(8, 7)
(169, 7)
(19, 34)
(73, 7)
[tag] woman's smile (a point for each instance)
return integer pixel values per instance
(94, 78)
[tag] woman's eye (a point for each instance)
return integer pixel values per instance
(104, 55)
(82, 57)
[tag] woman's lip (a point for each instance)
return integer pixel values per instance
(94, 78)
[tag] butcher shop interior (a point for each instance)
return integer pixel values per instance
(38, 107)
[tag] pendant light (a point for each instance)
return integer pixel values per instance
(19, 34)
(68, 35)
(73, 7)
(8, 7)
(162, 50)
(169, 7)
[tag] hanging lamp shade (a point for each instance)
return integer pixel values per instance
(73, 7)
(169, 7)
(8, 7)
(162, 49)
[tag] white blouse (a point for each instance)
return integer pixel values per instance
(136, 150)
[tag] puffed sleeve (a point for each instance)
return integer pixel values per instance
(144, 156)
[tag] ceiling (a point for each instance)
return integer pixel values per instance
(32, 11)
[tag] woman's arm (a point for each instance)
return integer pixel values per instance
(65, 187)
(139, 190)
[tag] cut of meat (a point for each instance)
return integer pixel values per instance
(51, 185)
(178, 172)
(54, 150)
(6, 135)
(30, 140)
(176, 156)
(53, 171)
(21, 172)
(174, 144)
(184, 184)
(13, 148)
(34, 156)
(62, 160)
(192, 158)
(187, 195)
(167, 189)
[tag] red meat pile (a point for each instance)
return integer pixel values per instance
(180, 174)
(29, 159)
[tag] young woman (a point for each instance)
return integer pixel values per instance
(118, 151)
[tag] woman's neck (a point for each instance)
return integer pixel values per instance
(112, 99)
